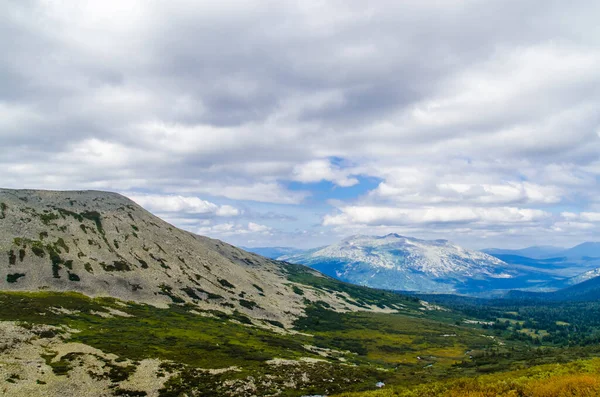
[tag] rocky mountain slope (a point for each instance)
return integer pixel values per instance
(403, 263)
(103, 244)
(98, 297)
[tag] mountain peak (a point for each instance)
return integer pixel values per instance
(393, 235)
(402, 263)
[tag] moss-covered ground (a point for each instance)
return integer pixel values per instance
(357, 349)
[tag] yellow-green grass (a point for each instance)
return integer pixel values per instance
(576, 379)
(511, 321)
(540, 333)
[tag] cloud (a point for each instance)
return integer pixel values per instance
(256, 228)
(583, 216)
(392, 216)
(224, 230)
(447, 110)
(322, 170)
(182, 204)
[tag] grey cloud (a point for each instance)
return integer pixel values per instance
(244, 93)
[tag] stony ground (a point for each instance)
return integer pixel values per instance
(103, 244)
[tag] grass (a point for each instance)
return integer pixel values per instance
(577, 379)
(171, 334)
(414, 349)
(362, 296)
(368, 342)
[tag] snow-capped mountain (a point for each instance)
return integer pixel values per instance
(584, 276)
(403, 263)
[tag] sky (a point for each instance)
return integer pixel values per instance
(298, 123)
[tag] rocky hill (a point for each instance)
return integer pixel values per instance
(103, 244)
(100, 297)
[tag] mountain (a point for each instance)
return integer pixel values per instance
(402, 263)
(568, 267)
(273, 252)
(103, 244)
(100, 297)
(535, 252)
(584, 276)
(588, 290)
(585, 250)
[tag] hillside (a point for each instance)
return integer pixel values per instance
(577, 379)
(588, 290)
(588, 249)
(100, 297)
(407, 264)
(103, 244)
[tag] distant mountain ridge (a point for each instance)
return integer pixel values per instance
(573, 265)
(588, 249)
(408, 264)
(535, 252)
(588, 290)
(273, 252)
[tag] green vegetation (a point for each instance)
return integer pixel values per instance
(218, 340)
(364, 297)
(73, 277)
(297, 290)
(38, 251)
(507, 350)
(12, 278)
(3, 208)
(191, 293)
(12, 258)
(420, 354)
(248, 304)
(580, 378)
(49, 217)
(116, 266)
(226, 283)
(554, 325)
(168, 291)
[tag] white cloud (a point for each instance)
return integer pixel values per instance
(322, 170)
(583, 216)
(390, 216)
(226, 230)
(427, 192)
(183, 204)
(471, 122)
(256, 228)
(262, 192)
